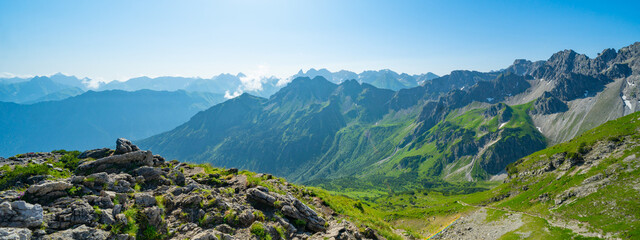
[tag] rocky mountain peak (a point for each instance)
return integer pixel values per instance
(608, 54)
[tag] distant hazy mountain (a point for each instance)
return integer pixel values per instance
(7, 80)
(41, 88)
(381, 79)
(71, 81)
(220, 84)
(94, 119)
(59, 86)
(56, 96)
(32, 90)
(156, 84)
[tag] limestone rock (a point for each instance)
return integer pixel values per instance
(15, 234)
(205, 235)
(20, 214)
(246, 218)
(153, 216)
(95, 153)
(117, 163)
(294, 208)
(261, 196)
(47, 191)
(80, 233)
(125, 146)
(78, 212)
(144, 200)
(152, 175)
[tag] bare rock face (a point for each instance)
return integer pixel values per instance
(78, 212)
(246, 218)
(15, 234)
(153, 218)
(260, 195)
(144, 200)
(20, 214)
(125, 146)
(47, 191)
(548, 104)
(117, 163)
(81, 232)
(95, 153)
(290, 207)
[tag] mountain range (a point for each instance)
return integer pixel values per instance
(59, 86)
(39, 89)
(381, 79)
(465, 126)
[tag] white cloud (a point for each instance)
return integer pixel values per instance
(93, 83)
(228, 95)
(253, 80)
(283, 81)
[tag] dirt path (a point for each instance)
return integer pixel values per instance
(474, 225)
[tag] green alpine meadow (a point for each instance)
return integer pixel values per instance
(319, 120)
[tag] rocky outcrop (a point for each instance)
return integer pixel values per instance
(509, 148)
(76, 213)
(117, 163)
(20, 214)
(96, 153)
(548, 104)
(47, 191)
(81, 232)
(144, 200)
(15, 233)
(135, 195)
(523, 67)
(290, 207)
(125, 146)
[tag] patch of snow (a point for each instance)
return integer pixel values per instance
(502, 124)
(627, 102)
(631, 84)
(539, 129)
(462, 88)
(490, 99)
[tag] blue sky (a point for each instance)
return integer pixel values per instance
(109, 40)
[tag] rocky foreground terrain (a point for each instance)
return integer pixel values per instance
(128, 193)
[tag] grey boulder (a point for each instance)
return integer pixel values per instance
(79, 233)
(125, 146)
(117, 163)
(20, 214)
(15, 234)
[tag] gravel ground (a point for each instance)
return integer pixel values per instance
(474, 226)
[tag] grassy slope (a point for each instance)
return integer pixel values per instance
(422, 163)
(613, 210)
